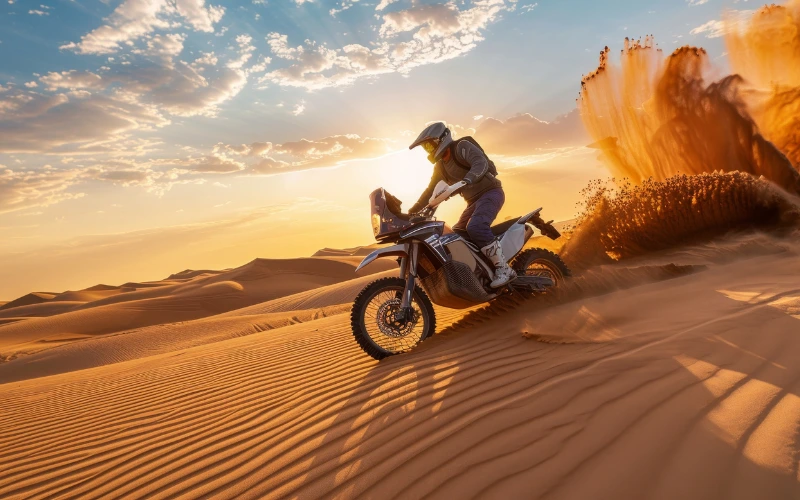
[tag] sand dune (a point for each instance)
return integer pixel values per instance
(188, 274)
(38, 310)
(42, 321)
(340, 293)
(167, 337)
(348, 252)
(653, 383)
(29, 299)
(92, 294)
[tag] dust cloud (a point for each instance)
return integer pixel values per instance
(693, 157)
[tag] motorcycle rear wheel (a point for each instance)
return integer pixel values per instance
(373, 323)
(541, 262)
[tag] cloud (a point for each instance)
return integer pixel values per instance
(420, 35)
(250, 150)
(31, 122)
(72, 79)
(299, 108)
(693, 3)
(259, 148)
(207, 59)
(261, 65)
(158, 175)
(337, 146)
(435, 20)
(47, 186)
(125, 177)
(178, 88)
(326, 152)
(713, 29)
(96, 111)
(133, 19)
(38, 12)
(305, 154)
(23, 189)
(87, 111)
(163, 46)
(155, 176)
(159, 79)
(246, 50)
(524, 134)
(346, 4)
(384, 3)
(20, 189)
(310, 61)
(269, 166)
(210, 164)
(733, 21)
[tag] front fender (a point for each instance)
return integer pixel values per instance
(392, 251)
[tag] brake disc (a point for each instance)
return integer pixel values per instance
(387, 323)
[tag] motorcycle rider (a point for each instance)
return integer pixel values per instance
(461, 160)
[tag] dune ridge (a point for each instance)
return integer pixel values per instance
(28, 299)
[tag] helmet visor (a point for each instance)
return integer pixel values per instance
(429, 147)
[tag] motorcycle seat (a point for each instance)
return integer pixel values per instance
(501, 228)
(497, 229)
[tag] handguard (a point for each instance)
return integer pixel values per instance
(443, 192)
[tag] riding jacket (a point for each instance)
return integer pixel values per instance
(452, 171)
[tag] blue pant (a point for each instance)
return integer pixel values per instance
(478, 217)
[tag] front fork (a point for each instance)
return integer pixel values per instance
(408, 271)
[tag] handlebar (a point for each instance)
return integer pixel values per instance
(425, 213)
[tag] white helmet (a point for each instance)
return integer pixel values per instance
(435, 139)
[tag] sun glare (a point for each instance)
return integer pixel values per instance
(405, 175)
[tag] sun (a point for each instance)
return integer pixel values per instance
(406, 175)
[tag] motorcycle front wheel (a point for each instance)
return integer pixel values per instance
(375, 327)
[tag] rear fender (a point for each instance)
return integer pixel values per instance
(392, 251)
(527, 217)
(514, 239)
(534, 218)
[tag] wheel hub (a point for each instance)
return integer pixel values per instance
(388, 323)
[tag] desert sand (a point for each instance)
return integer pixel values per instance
(672, 375)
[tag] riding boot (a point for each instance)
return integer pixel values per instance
(503, 273)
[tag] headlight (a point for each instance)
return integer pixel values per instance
(376, 224)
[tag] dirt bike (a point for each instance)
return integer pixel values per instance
(440, 266)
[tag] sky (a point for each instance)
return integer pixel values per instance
(142, 137)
